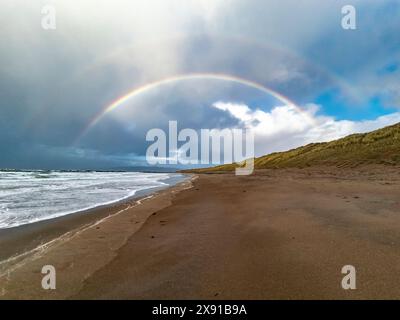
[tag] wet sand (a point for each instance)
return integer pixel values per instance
(76, 245)
(278, 234)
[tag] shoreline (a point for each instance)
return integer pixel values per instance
(19, 239)
(36, 240)
(278, 234)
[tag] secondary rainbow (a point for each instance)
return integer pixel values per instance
(191, 76)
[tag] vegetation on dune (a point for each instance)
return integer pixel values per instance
(377, 147)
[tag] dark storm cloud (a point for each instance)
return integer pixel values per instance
(52, 83)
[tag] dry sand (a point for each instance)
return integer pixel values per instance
(278, 234)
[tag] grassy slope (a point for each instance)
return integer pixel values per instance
(377, 147)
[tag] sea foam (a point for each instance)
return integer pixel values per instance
(30, 196)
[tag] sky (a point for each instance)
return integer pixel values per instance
(54, 83)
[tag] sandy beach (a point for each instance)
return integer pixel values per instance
(277, 234)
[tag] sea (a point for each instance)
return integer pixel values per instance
(31, 196)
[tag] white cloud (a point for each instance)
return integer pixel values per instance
(284, 127)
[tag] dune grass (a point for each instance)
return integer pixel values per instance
(377, 147)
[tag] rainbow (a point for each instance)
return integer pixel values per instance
(191, 76)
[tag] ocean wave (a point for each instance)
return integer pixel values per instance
(25, 198)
